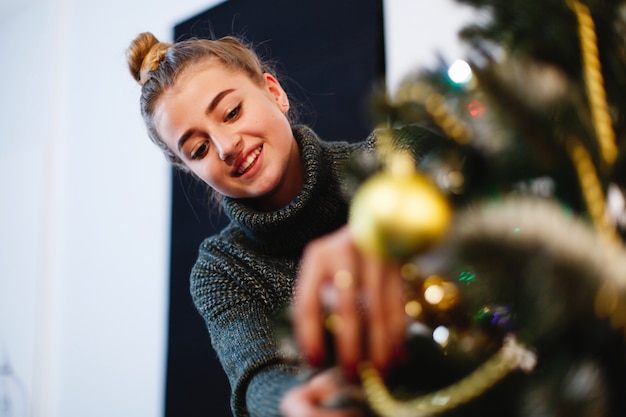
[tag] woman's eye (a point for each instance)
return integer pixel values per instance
(200, 151)
(233, 113)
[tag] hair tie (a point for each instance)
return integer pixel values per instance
(152, 60)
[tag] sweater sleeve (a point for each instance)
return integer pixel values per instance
(241, 325)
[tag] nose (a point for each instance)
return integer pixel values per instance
(228, 146)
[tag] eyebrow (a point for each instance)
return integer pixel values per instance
(218, 97)
(212, 105)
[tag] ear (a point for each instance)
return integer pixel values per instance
(276, 91)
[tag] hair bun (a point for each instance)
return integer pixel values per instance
(144, 55)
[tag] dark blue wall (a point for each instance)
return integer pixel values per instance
(329, 55)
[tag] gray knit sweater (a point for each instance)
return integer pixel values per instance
(244, 275)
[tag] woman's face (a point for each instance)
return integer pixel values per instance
(232, 133)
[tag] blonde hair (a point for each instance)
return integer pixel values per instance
(156, 66)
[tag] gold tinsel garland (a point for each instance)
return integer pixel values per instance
(512, 356)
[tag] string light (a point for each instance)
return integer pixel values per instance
(460, 72)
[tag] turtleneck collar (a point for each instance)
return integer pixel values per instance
(318, 209)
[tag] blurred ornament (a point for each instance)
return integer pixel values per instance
(442, 336)
(440, 293)
(398, 213)
(413, 308)
(495, 318)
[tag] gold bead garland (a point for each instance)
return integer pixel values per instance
(591, 188)
(594, 82)
(435, 105)
(511, 356)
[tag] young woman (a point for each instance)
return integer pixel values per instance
(218, 112)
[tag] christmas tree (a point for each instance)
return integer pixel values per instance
(512, 231)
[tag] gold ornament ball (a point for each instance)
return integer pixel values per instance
(398, 215)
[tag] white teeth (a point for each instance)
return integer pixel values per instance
(249, 160)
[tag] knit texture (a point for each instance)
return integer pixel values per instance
(244, 275)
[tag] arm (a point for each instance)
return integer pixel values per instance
(241, 328)
(264, 382)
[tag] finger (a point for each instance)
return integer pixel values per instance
(348, 331)
(373, 295)
(395, 312)
(306, 402)
(307, 308)
(310, 398)
(321, 260)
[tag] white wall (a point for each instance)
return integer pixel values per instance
(84, 208)
(83, 211)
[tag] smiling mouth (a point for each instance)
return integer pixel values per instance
(249, 161)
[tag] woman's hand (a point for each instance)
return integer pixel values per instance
(325, 395)
(362, 291)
